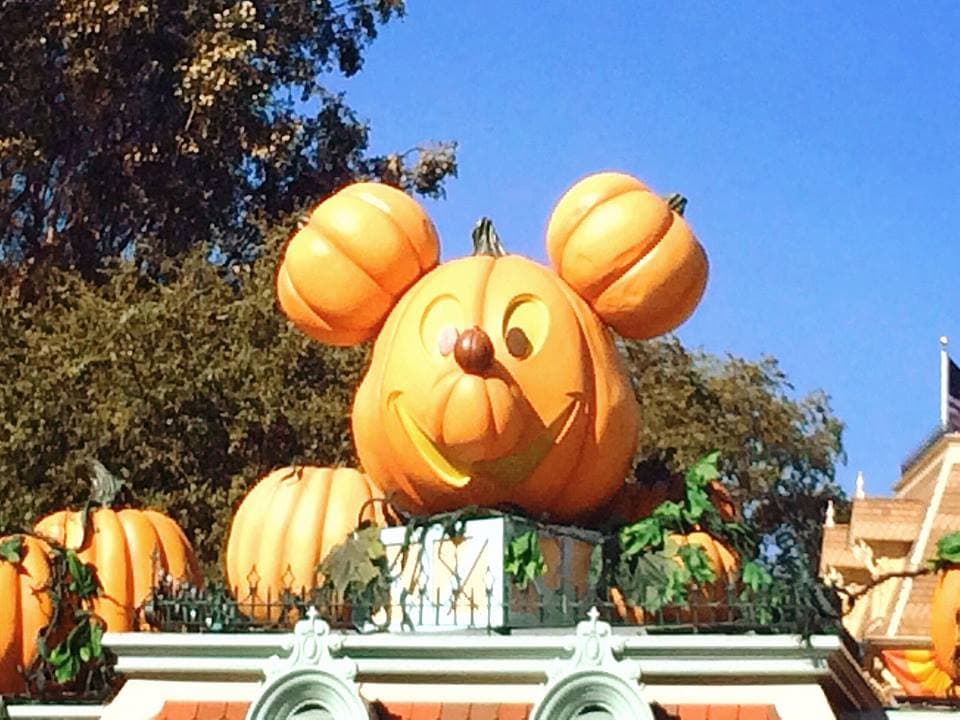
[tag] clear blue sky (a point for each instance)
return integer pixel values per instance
(818, 144)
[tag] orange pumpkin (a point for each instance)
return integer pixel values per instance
(335, 245)
(493, 384)
(943, 619)
(493, 381)
(25, 610)
(129, 550)
(628, 253)
(721, 559)
(287, 524)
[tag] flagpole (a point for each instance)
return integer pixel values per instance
(944, 381)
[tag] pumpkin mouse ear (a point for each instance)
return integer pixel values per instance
(628, 253)
(346, 268)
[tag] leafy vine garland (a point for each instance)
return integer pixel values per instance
(71, 662)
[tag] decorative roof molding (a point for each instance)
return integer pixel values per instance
(593, 678)
(310, 677)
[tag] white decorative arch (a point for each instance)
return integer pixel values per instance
(593, 679)
(310, 683)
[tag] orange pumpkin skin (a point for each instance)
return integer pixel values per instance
(725, 565)
(544, 419)
(286, 525)
(373, 234)
(943, 620)
(128, 548)
(626, 252)
(25, 609)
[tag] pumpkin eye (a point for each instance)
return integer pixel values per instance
(518, 343)
(525, 325)
(440, 325)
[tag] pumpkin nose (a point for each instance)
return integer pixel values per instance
(473, 351)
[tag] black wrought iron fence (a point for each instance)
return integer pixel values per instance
(803, 608)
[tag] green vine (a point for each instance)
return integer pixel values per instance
(71, 662)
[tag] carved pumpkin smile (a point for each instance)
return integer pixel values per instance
(507, 470)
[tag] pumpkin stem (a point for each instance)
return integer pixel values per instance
(105, 486)
(677, 203)
(485, 239)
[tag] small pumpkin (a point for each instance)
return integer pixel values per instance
(943, 619)
(627, 252)
(129, 548)
(721, 559)
(334, 245)
(25, 609)
(285, 526)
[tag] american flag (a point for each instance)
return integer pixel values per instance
(953, 397)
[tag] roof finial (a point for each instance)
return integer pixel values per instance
(858, 493)
(830, 520)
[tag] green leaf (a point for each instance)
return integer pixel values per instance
(357, 564)
(522, 559)
(755, 576)
(948, 549)
(641, 535)
(11, 549)
(697, 565)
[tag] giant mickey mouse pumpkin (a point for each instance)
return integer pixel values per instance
(494, 380)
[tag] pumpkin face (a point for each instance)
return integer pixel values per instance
(492, 383)
(129, 549)
(493, 380)
(286, 525)
(943, 620)
(25, 610)
(332, 246)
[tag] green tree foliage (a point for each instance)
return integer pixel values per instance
(190, 387)
(159, 124)
(778, 453)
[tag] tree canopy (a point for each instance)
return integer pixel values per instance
(149, 127)
(778, 453)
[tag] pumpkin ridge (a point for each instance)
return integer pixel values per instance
(137, 530)
(583, 216)
(633, 253)
(289, 494)
(342, 244)
(380, 205)
(304, 538)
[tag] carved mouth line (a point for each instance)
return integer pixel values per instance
(509, 469)
(458, 477)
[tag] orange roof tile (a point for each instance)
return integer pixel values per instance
(517, 711)
(181, 710)
(886, 519)
(186, 710)
(715, 712)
